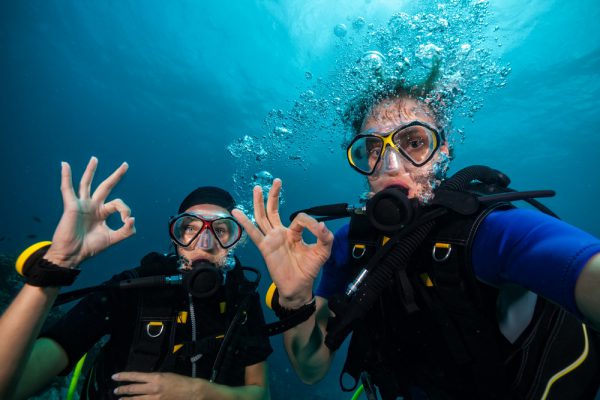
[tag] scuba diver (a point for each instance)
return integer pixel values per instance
(448, 289)
(182, 325)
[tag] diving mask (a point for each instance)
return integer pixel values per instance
(416, 142)
(188, 227)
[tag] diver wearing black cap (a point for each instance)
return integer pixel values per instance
(182, 325)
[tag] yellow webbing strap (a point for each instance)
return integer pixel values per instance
(182, 317)
(572, 367)
(269, 295)
(28, 252)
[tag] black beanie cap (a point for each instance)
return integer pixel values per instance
(208, 195)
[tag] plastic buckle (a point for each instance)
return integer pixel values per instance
(446, 246)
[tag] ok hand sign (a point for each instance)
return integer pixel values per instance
(293, 264)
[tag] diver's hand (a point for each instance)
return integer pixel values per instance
(82, 231)
(158, 385)
(292, 263)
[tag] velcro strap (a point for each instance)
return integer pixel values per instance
(43, 273)
(293, 318)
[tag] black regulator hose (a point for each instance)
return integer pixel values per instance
(487, 175)
(325, 213)
(394, 257)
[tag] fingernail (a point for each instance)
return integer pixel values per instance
(115, 377)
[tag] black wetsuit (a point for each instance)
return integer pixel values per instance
(117, 313)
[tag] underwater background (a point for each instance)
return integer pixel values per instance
(194, 93)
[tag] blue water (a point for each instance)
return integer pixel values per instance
(168, 86)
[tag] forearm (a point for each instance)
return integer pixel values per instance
(19, 326)
(587, 292)
(305, 345)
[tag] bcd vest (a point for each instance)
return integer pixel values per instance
(433, 333)
(161, 339)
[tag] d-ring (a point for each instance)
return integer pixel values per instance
(153, 324)
(446, 246)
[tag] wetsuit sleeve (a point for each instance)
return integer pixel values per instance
(256, 345)
(534, 250)
(83, 325)
(334, 274)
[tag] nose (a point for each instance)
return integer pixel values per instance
(206, 240)
(392, 162)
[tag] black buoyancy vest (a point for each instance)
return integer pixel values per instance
(452, 346)
(162, 320)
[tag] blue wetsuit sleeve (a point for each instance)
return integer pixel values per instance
(532, 249)
(334, 274)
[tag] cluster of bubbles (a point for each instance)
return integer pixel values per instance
(455, 36)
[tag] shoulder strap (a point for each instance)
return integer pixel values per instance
(156, 317)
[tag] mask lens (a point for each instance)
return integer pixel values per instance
(227, 231)
(417, 143)
(364, 152)
(186, 228)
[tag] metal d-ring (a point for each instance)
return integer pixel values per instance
(149, 325)
(446, 246)
(358, 251)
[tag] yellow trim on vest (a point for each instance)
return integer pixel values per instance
(177, 347)
(572, 367)
(182, 317)
(442, 245)
(220, 337)
(426, 279)
(384, 240)
(155, 323)
(270, 294)
(359, 246)
(28, 252)
(222, 307)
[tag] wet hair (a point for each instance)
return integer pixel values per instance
(208, 195)
(359, 107)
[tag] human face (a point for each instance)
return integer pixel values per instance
(205, 246)
(395, 170)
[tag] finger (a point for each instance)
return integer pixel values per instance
(255, 234)
(324, 236)
(86, 180)
(302, 221)
(132, 376)
(259, 210)
(273, 203)
(66, 184)
(104, 189)
(134, 389)
(116, 205)
(127, 230)
(319, 229)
